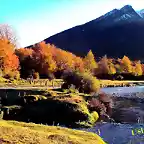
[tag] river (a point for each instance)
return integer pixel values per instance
(129, 117)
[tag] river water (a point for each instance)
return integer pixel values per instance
(129, 117)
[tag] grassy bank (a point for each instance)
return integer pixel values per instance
(30, 83)
(29, 133)
(56, 83)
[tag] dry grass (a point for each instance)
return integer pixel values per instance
(117, 81)
(105, 83)
(12, 132)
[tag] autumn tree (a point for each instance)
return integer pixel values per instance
(25, 56)
(89, 62)
(43, 59)
(126, 65)
(137, 69)
(103, 65)
(6, 32)
(111, 67)
(118, 66)
(23, 53)
(78, 64)
(142, 66)
(106, 66)
(9, 62)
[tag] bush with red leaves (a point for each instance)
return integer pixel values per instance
(102, 104)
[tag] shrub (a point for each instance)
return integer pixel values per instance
(12, 75)
(102, 104)
(96, 105)
(93, 117)
(84, 82)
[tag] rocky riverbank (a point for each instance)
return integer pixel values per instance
(128, 115)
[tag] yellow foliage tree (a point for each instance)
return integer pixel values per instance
(111, 68)
(89, 62)
(64, 60)
(126, 65)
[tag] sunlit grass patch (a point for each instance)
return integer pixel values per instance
(29, 133)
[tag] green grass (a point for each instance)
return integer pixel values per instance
(29, 133)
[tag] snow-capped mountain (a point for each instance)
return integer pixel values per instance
(125, 14)
(141, 13)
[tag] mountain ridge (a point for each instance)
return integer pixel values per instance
(141, 13)
(120, 29)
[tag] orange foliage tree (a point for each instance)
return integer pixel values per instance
(78, 64)
(64, 60)
(26, 61)
(23, 53)
(9, 62)
(43, 59)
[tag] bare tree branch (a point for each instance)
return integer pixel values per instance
(6, 32)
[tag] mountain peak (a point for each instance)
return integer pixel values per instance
(125, 14)
(127, 8)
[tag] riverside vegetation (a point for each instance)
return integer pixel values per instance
(66, 107)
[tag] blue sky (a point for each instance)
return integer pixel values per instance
(35, 20)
